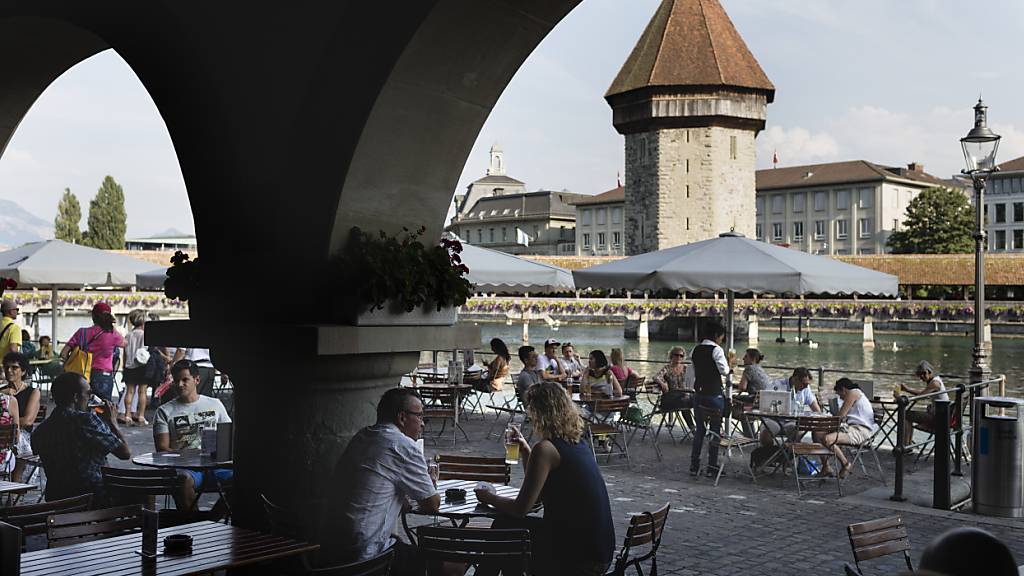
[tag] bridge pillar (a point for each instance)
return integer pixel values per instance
(869, 332)
(643, 331)
(753, 332)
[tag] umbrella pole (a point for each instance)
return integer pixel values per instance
(54, 293)
(730, 299)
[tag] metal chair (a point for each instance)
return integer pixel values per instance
(604, 423)
(509, 549)
(8, 441)
(443, 404)
(876, 538)
(645, 529)
(302, 522)
(379, 565)
(867, 446)
(814, 425)
(76, 527)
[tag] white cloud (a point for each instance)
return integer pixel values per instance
(795, 146)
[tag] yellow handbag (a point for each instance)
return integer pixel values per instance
(80, 359)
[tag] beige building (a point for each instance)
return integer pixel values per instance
(840, 208)
(689, 109)
(600, 224)
(1004, 205)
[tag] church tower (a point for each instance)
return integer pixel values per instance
(689, 100)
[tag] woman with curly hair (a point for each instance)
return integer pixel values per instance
(561, 471)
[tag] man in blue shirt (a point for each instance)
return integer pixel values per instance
(73, 442)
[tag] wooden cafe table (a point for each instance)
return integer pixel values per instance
(215, 546)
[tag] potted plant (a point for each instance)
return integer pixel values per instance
(397, 280)
(182, 281)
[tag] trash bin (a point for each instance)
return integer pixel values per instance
(997, 473)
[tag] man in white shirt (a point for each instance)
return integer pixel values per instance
(710, 368)
(570, 361)
(179, 425)
(800, 383)
(549, 362)
(201, 357)
(381, 471)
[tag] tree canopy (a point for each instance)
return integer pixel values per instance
(69, 214)
(938, 221)
(108, 220)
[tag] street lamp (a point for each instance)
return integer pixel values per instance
(980, 146)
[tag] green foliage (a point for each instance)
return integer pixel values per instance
(938, 221)
(69, 214)
(403, 271)
(107, 218)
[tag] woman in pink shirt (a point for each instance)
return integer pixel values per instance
(102, 339)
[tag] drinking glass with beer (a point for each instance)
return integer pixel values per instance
(512, 437)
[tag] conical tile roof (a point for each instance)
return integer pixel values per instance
(691, 43)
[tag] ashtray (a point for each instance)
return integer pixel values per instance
(455, 494)
(178, 544)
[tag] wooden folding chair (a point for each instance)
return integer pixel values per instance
(76, 527)
(476, 468)
(814, 425)
(877, 538)
(644, 531)
(509, 549)
(442, 403)
(302, 522)
(31, 518)
(604, 423)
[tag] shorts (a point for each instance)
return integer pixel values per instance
(210, 478)
(857, 433)
(135, 376)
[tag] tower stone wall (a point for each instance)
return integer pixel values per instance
(688, 184)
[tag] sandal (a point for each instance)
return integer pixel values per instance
(141, 421)
(845, 471)
(124, 421)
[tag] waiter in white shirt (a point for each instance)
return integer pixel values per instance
(710, 367)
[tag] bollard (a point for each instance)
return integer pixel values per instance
(940, 470)
(869, 332)
(901, 424)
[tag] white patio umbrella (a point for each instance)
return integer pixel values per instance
(56, 264)
(490, 270)
(733, 263)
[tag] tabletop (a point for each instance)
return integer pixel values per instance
(215, 547)
(15, 487)
(469, 507)
(585, 398)
(190, 459)
(786, 416)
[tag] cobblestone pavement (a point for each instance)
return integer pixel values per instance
(738, 528)
(746, 528)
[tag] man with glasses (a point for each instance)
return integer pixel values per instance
(381, 471)
(10, 332)
(73, 442)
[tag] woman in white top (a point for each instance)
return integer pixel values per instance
(858, 427)
(599, 376)
(932, 383)
(134, 376)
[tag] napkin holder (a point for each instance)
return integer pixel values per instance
(225, 442)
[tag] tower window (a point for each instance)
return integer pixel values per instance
(687, 190)
(687, 223)
(732, 147)
(687, 165)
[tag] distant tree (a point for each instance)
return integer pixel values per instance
(107, 218)
(938, 221)
(69, 214)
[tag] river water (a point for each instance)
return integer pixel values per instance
(951, 355)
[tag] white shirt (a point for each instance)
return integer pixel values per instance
(718, 355)
(132, 342)
(549, 364)
(380, 470)
(185, 422)
(201, 356)
(861, 412)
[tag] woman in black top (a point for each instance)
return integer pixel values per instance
(576, 537)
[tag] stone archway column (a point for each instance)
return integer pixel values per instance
(301, 393)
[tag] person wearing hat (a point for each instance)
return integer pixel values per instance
(10, 332)
(101, 339)
(549, 362)
(932, 383)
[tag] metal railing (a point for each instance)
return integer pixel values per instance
(943, 421)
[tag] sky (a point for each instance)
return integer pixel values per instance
(890, 81)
